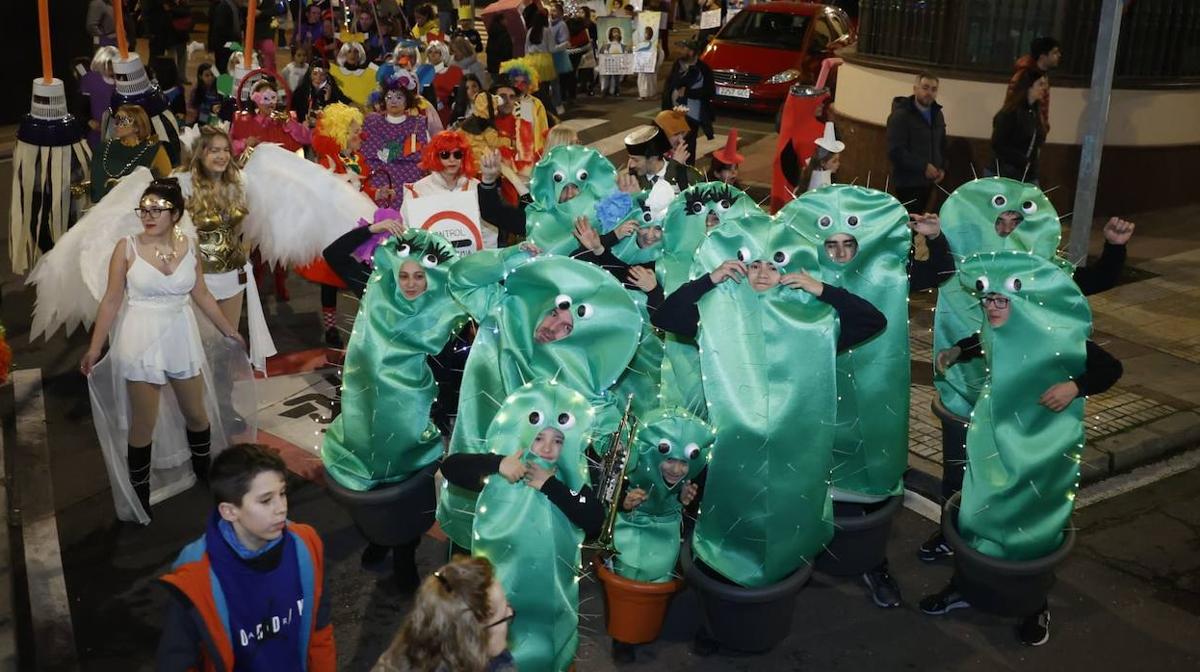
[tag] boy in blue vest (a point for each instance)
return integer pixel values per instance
(250, 593)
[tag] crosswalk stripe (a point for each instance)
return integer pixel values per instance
(582, 124)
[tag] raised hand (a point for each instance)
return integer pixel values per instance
(802, 281)
(732, 269)
(928, 224)
(642, 278)
(1118, 231)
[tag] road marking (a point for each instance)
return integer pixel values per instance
(53, 633)
(582, 124)
(922, 506)
(1138, 478)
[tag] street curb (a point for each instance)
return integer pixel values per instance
(1113, 455)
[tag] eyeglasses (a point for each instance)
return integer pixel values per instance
(512, 613)
(149, 212)
(456, 154)
(995, 301)
(122, 120)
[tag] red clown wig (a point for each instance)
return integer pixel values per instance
(448, 141)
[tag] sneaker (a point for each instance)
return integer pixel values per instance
(884, 591)
(935, 548)
(623, 653)
(1035, 630)
(947, 600)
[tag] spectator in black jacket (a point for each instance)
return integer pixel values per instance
(1018, 130)
(224, 26)
(690, 87)
(916, 137)
(499, 44)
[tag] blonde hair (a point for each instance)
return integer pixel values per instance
(103, 59)
(561, 135)
(445, 629)
(335, 121)
(141, 122)
(214, 195)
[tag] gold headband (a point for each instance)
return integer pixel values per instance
(152, 201)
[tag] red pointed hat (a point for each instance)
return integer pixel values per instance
(729, 154)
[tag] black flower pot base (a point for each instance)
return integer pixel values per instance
(1000, 587)
(860, 537)
(392, 514)
(749, 620)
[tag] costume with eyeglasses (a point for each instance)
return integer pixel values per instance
(533, 536)
(115, 158)
(393, 145)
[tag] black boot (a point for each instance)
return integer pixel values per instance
(404, 566)
(200, 443)
(138, 461)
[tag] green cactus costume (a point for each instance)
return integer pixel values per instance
(649, 209)
(530, 542)
(1023, 458)
(369, 443)
(683, 232)
(550, 223)
(647, 538)
(870, 452)
(770, 382)
(968, 222)
(508, 293)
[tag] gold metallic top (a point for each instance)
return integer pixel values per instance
(220, 237)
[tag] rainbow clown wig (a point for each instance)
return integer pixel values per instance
(391, 78)
(521, 74)
(448, 141)
(335, 122)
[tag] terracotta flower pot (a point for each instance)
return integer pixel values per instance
(752, 620)
(392, 514)
(860, 540)
(636, 609)
(1001, 587)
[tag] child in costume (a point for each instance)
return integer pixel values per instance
(567, 184)
(406, 317)
(249, 593)
(336, 144)
(1026, 433)
(867, 250)
(825, 161)
(726, 161)
(530, 126)
(753, 271)
(354, 74)
(267, 123)
(535, 472)
(670, 451)
(540, 317)
(146, 314)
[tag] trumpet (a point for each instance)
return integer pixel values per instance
(612, 483)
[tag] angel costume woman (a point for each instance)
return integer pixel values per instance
(142, 275)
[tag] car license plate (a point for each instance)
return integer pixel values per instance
(732, 92)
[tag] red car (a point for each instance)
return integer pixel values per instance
(765, 49)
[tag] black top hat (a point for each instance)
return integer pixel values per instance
(647, 140)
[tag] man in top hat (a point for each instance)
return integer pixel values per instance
(726, 161)
(690, 88)
(648, 147)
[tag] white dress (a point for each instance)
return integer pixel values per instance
(158, 337)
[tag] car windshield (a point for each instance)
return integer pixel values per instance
(766, 29)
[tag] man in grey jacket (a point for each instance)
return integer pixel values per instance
(916, 137)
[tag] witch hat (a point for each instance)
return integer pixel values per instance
(829, 141)
(729, 154)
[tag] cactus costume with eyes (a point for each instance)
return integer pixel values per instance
(969, 224)
(870, 451)
(647, 538)
(649, 209)
(369, 443)
(509, 293)
(550, 223)
(530, 542)
(683, 232)
(1023, 458)
(769, 380)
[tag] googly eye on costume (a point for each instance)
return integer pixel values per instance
(744, 255)
(1029, 207)
(647, 217)
(581, 175)
(403, 250)
(566, 420)
(781, 258)
(584, 311)
(999, 200)
(724, 204)
(981, 283)
(562, 302)
(429, 261)
(535, 418)
(852, 221)
(696, 208)
(825, 221)
(692, 451)
(1013, 284)
(559, 177)
(664, 446)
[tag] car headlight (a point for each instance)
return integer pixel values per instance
(785, 76)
